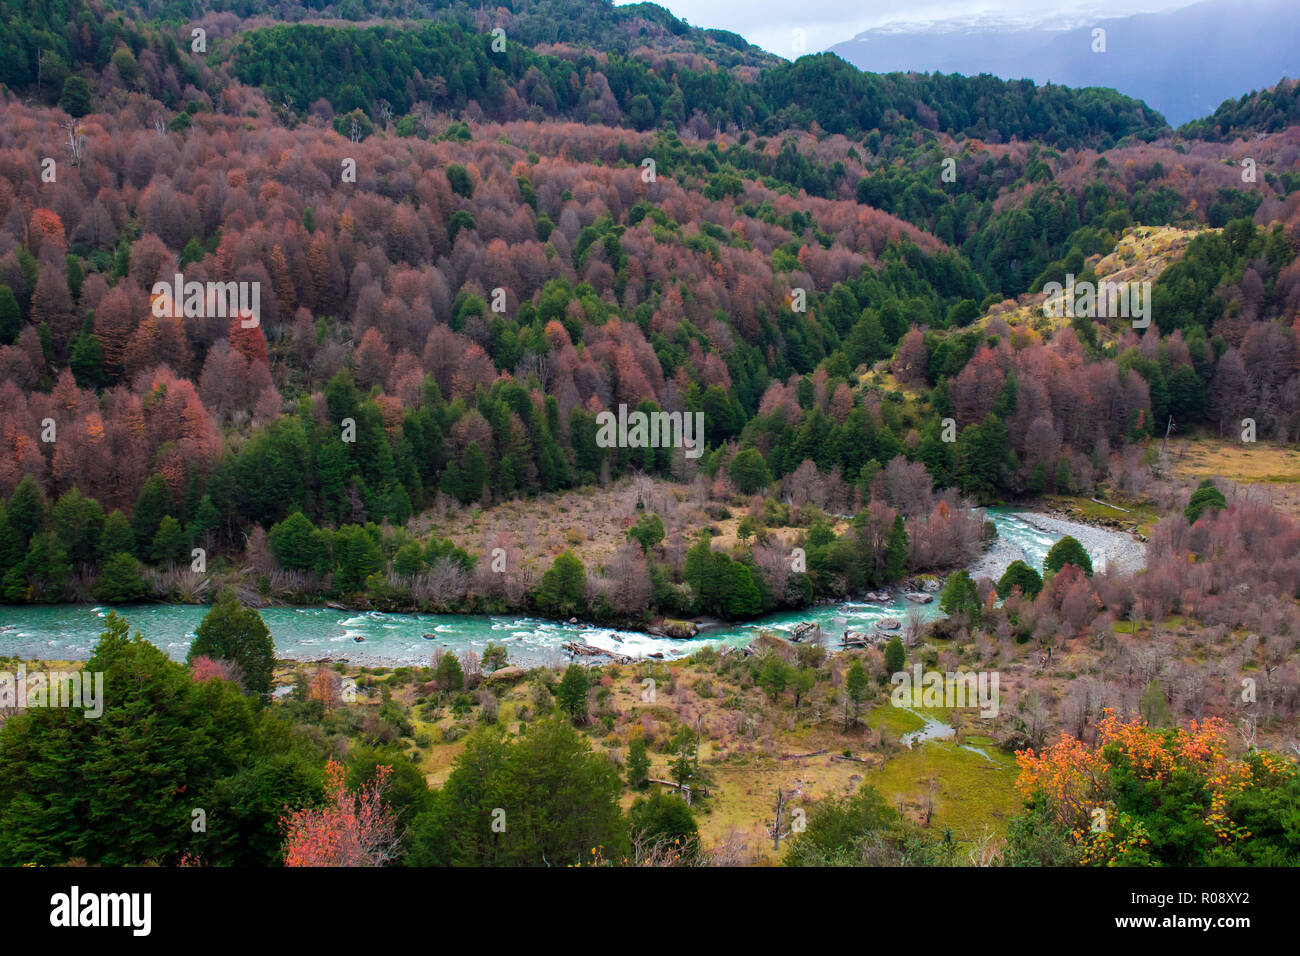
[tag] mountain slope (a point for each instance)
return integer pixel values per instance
(1263, 111)
(468, 254)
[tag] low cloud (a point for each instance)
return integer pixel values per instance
(771, 23)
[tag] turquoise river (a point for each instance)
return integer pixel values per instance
(68, 631)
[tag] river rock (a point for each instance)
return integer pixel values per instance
(919, 597)
(680, 630)
(888, 624)
(860, 639)
(805, 630)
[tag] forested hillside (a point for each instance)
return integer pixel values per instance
(623, 210)
(318, 312)
(1260, 111)
(530, 22)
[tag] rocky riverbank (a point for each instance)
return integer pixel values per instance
(1109, 549)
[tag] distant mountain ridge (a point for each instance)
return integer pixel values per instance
(1183, 62)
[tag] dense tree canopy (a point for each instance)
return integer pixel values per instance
(665, 218)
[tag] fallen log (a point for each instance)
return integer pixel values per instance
(861, 639)
(679, 786)
(815, 753)
(1107, 504)
(506, 674)
(579, 649)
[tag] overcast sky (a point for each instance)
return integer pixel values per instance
(771, 23)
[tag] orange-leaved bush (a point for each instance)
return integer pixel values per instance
(351, 829)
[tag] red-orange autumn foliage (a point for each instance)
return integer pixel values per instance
(352, 829)
(203, 668)
(250, 341)
(46, 226)
(1075, 780)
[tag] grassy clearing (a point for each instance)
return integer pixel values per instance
(746, 760)
(592, 522)
(1136, 514)
(971, 792)
(1273, 466)
(1258, 461)
(1140, 255)
(893, 722)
